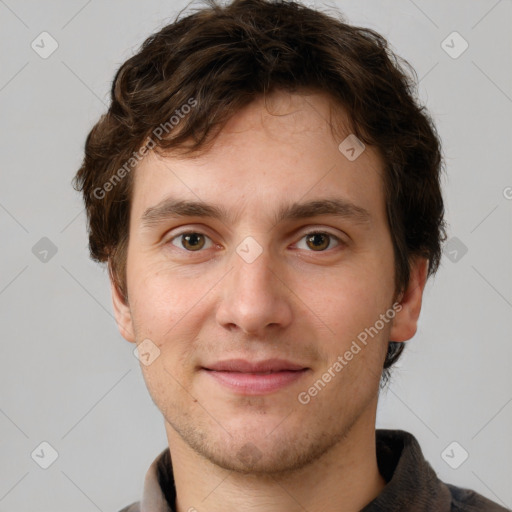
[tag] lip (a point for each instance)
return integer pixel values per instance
(255, 378)
(244, 366)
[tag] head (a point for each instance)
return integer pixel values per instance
(243, 121)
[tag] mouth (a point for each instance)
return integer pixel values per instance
(249, 378)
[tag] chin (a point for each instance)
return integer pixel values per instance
(257, 451)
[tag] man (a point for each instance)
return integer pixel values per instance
(265, 190)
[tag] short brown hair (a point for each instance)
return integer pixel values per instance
(224, 57)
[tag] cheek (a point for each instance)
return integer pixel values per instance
(170, 310)
(350, 305)
(352, 297)
(157, 300)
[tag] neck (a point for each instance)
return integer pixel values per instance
(345, 479)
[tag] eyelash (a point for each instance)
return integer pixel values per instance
(330, 235)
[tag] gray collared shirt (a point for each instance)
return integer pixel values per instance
(412, 484)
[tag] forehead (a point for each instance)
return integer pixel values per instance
(274, 151)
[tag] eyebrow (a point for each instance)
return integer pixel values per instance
(173, 208)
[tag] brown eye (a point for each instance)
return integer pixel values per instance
(319, 241)
(190, 241)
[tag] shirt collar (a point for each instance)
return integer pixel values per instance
(159, 477)
(412, 484)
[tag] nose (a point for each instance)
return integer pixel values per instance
(254, 299)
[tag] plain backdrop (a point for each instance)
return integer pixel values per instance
(69, 379)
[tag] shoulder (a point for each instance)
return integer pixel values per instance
(134, 507)
(466, 500)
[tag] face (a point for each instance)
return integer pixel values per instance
(271, 252)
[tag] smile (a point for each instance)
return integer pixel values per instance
(247, 378)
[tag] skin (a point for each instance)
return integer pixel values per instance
(293, 302)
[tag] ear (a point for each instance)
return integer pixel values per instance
(406, 320)
(122, 312)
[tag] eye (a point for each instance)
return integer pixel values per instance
(191, 241)
(319, 241)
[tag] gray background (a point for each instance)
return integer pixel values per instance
(68, 378)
